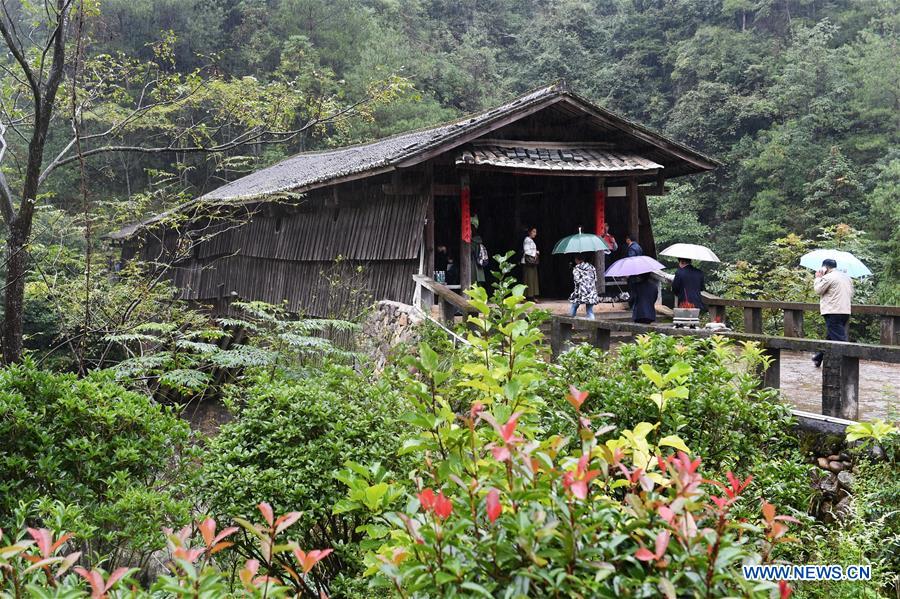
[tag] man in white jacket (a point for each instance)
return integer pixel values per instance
(835, 290)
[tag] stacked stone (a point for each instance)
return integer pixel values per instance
(835, 487)
(388, 325)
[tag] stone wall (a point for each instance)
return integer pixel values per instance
(388, 325)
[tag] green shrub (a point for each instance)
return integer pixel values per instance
(288, 440)
(500, 508)
(113, 458)
(726, 416)
(39, 563)
(870, 531)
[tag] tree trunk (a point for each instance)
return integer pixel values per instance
(14, 306)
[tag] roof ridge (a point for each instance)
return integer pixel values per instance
(553, 87)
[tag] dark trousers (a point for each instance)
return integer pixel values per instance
(835, 330)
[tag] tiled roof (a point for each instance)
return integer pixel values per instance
(572, 158)
(314, 169)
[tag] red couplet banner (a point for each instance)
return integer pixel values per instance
(466, 222)
(599, 211)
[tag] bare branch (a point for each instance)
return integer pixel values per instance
(11, 37)
(7, 207)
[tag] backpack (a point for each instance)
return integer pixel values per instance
(481, 256)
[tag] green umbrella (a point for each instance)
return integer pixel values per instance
(579, 243)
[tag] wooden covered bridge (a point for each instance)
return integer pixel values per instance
(373, 215)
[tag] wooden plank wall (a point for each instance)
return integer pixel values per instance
(329, 254)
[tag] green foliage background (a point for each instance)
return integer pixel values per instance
(800, 99)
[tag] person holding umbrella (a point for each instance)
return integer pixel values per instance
(584, 273)
(688, 285)
(643, 292)
(642, 289)
(836, 293)
(585, 292)
(689, 282)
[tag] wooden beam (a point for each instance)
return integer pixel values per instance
(445, 189)
(429, 232)
(446, 294)
(600, 257)
(465, 247)
(862, 351)
(632, 195)
(648, 190)
(556, 172)
(806, 307)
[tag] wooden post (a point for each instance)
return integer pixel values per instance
(753, 320)
(840, 386)
(465, 240)
(772, 375)
(560, 334)
(427, 295)
(793, 323)
(849, 388)
(448, 310)
(600, 338)
(633, 223)
(600, 221)
(890, 330)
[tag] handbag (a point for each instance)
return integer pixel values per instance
(529, 259)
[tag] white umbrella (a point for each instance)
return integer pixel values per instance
(690, 251)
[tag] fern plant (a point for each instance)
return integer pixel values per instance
(191, 359)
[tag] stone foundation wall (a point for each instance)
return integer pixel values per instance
(390, 324)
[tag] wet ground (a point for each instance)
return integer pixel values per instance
(879, 386)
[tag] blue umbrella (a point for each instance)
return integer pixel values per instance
(846, 262)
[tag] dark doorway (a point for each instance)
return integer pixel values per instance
(507, 204)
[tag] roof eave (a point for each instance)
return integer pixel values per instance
(700, 161)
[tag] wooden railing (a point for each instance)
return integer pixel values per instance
(793, 315)
(450, 301)
(840, 369)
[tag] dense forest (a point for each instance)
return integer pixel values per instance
(799, 99)
(149, 447)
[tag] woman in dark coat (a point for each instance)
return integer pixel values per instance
(643, 291)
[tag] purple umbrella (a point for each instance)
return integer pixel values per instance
(636, 265)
